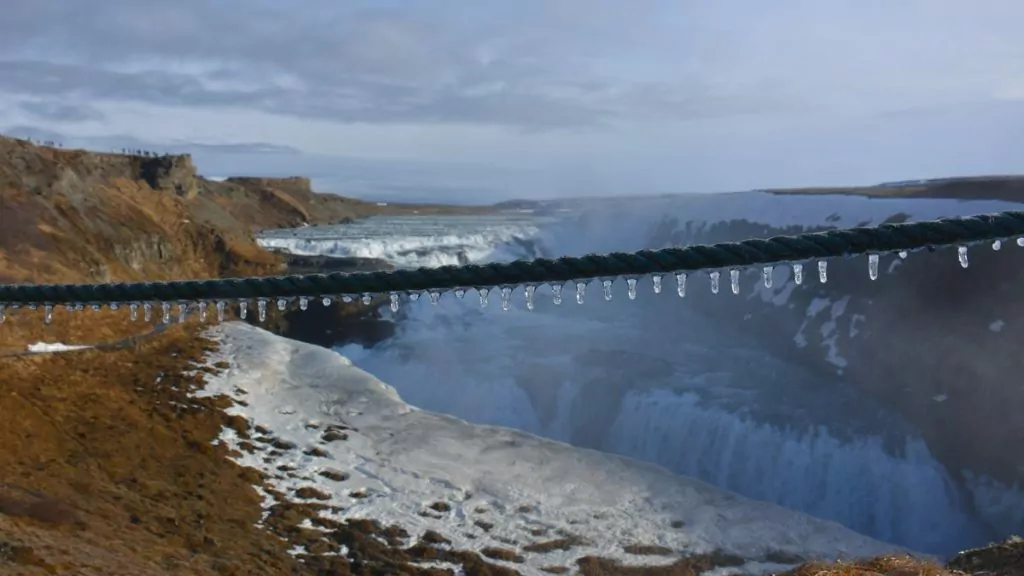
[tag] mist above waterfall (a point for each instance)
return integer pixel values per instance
(674, 382)
(664, 392)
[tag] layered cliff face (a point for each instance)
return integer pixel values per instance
(71, 215)
(79, 216)
(279, 202)
(46, 171)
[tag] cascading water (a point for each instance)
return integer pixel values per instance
(905, 498)
(652, 380)
(701, 410)
(411, 241)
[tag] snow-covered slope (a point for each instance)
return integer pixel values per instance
(401, 459)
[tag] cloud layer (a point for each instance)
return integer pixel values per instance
(670, 95)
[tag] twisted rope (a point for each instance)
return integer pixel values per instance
(817, 245)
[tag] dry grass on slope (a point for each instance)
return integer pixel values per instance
(108, 468)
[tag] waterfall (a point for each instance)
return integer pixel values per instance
(906, 498)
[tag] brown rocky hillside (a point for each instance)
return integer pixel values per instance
(75, 216)
(81, 216)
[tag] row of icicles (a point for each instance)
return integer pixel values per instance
(220, 307)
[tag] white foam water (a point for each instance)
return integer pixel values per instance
(415, 241)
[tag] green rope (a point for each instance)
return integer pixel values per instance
(885, 238)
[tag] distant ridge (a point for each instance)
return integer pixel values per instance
(992, 187)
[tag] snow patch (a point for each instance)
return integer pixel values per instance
(44, 347)
(830, 335)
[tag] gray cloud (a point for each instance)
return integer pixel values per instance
(533, 65)
(60, 111)
(576, 95)
(357, 100)
(116, 142)
(342, 64)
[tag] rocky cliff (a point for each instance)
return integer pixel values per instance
(80, 216)
(73, 215)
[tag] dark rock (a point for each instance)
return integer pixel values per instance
(334, 475)
(502, 554)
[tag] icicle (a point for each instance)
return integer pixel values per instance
(997, 245)
(823, 271)
(182, 309)
(147, 312)
(414, 296)
(902, 254)
(631, 288)
(715, 276)
(303, 303)
(556, 294)
(873, 266)
(506, 298)
(961, 253)
(460, 293)
(681, 284)
(220, 310)
(483, 296)
(366, 299)
(47, 313)
(581, 291)
(243, 309)
(133, 311)
(656, 281)
(395, 301)
(528, 292)
(606, 286)
(766, 275)
(202, 311)
(166, 308)
(326, 301)
(261, 309)
(282, 304)
(435, 297)
(3, 313)
(734, 280)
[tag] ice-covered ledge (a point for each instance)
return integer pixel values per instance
(393, 461)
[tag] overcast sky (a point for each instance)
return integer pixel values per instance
(477, 100)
